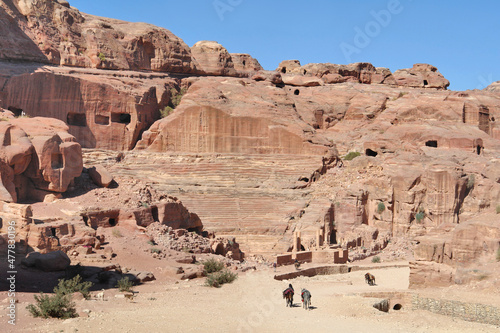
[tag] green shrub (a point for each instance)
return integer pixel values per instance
(177, 96)
(117, 233)
(101, 56)
(219, 278)
(351, 155)
(124, 284)
(470, 181)
(498, 209)
(380, 207)
(56, 306)
(498, 254)
(68, 287)
(420, 216)
(155, 250)
(167, 110)
(212, 266)
(376, 259)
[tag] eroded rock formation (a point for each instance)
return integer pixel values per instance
(257, 154)
(38, 155)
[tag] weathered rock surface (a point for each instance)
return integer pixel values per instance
(102, 109)
(100, 176)
(213, 58)
(421, 76)
(37, 154)
(48, 262)
(235, 115)
(54, 33)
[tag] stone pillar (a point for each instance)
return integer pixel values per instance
(319, 238)
(296, 241)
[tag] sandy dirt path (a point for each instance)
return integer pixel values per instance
(253, 303)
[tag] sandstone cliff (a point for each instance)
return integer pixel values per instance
(257, 154)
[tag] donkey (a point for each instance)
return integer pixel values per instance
(306, 298)
(288, 296)
(370, 279)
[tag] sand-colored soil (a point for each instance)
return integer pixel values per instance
(253, 303)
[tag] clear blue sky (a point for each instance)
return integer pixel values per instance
(461, 38)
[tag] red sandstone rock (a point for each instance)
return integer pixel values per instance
(213, 58)
(421, 76)
(69, 37)
(49, 262)
(286, 66)
(245, 62)
(100, 176)
(38, 149)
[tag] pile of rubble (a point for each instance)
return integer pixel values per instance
(191, 242)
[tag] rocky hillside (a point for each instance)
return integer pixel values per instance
(353, 155)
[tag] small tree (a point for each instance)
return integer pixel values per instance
(376, 259)
(60, 305)
(68, 287)
(56, 306)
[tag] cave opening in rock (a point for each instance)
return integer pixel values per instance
(479, 149)
(101, 120)
(112, 222)
(397, 307)
(57, 161)
(16, 111)
(333, 237)
(426, 83)
(154, 212)
(369, 152)
(86, 220)
(283, 70)
(122, 118)
(76, 119)
(53, 232)
(432, 143)
(296, 92)
(244, 63)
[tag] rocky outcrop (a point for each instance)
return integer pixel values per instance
(232, 115)
(100, 176)
(38, 154)
(55, 33)
(213, 58)
(245, 62)
(101, 108)
(48, 262)
(421, 76)
(453, 247)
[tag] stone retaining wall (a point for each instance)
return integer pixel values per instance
(480, 313)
